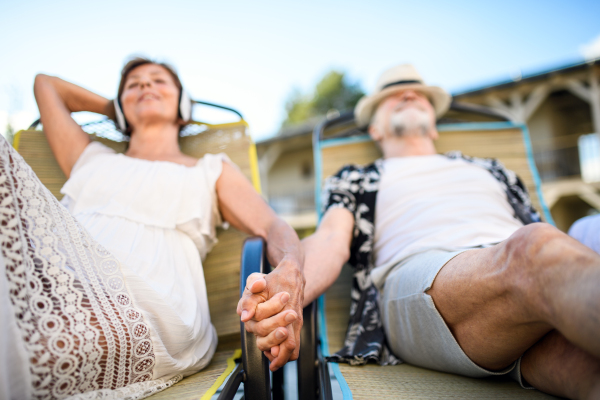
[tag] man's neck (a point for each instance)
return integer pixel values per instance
(407, 146)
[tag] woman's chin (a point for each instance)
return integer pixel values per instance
(153, 117)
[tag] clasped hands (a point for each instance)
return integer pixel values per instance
(271, 308)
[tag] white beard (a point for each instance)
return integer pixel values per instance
(410, 122)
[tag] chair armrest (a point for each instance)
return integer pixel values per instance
(313, 373)
(257, 383)
(307, 373)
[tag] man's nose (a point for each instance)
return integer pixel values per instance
(409, 95)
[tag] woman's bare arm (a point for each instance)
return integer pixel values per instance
(243, 208)
(56, 100)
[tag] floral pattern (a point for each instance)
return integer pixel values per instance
(355, 188)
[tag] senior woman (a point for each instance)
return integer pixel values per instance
(106, 295)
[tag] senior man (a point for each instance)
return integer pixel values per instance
(450, 259)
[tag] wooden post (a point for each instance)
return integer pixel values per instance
(265, 163)
(516, 106)
(519, 110)
(595, 99)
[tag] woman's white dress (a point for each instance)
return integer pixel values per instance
(113, 302)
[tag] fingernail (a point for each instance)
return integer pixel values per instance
(285, 298)
(290, 317)
(279, 334)
(244, 315)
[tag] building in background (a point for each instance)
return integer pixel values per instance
(561, 108)
(287, 175)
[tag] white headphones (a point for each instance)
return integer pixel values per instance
(185, 110)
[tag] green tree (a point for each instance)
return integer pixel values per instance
(333, 93)
(9, 134)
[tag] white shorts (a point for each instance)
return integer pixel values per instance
(416, 331)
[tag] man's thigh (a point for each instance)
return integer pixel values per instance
(476, 296)
(415, 330)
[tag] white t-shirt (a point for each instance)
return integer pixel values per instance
(434, 202)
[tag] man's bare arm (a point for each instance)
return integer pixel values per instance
(326, 252)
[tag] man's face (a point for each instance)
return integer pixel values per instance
(406, 113)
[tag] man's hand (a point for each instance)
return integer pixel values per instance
(271, 308)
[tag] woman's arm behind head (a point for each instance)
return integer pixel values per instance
(56, 100)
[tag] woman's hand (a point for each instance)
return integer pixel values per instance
(243, 208)
(271, 308)
(269, 321)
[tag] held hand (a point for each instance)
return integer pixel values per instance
(287, 277)
(272, 331)
(271, 302)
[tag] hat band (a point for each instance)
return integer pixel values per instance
(400, 83)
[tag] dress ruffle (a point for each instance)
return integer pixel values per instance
(103, 182)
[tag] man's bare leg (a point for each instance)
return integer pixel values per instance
(556, 366)
(499, 302)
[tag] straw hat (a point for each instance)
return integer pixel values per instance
(396, 79)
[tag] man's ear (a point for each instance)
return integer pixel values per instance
(433, 134)
(375, 133)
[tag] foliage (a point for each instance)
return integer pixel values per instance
(9, 133)
(333, 93)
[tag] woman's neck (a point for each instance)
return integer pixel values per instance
(155, 142)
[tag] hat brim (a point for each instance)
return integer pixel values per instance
(363, 112)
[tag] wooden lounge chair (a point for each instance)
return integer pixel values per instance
(338, 142)
(221, 268)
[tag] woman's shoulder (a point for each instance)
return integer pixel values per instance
(91, 151)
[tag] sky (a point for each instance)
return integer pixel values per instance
(250, 55)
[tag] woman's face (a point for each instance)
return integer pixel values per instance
(150, 96)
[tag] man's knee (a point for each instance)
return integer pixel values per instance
(530, 254)
(535, 246)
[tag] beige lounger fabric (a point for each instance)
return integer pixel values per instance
(194, 386)
(408, 382)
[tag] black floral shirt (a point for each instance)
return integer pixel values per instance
(355, 188)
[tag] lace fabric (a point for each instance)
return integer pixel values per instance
(83, 334)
